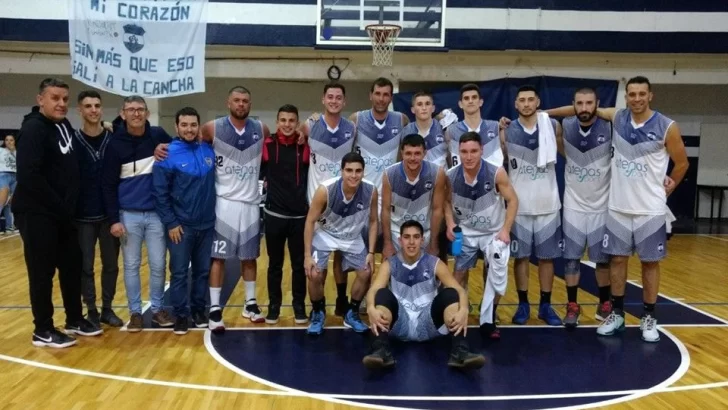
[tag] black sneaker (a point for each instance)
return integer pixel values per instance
(299, 314)
(274, 311)
(94, 317)
(53, 338)
(342, 306)
(181, 325)
(83, 328)
(200, 319)
(461, 357)
(380, 357)
(109, 317)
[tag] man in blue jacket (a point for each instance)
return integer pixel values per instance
(184, 193)
(129, 203)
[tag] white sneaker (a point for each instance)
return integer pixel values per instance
(613, 324)
(216, 327)
(253, 313)
(648, 326)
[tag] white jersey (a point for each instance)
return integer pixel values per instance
(434, 142)
(378, 143)
(538, 193)
(7, 160)
(488, 131)
(588, 165)
(237, 158)
(328, 146)
(411, 200)
(346, 219)
(478, 208)
(639, 165)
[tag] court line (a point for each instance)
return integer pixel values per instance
(12, 235)
(714, 237)
(685, 305)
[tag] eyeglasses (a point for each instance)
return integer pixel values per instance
(135, 110)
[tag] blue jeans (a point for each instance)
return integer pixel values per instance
(7, 180)
(143, 227)
(195, 246)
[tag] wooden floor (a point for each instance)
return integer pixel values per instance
(157, 369)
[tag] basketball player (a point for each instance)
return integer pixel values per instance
(538, 222)
(423, 107)
(644, 143)
(415, 298)
(339, 212)
(586, 145)
(238, 144)
(412, 189)
(476, 204)
(330, 137)
(470, 102)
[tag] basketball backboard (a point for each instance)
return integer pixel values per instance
(343, 22)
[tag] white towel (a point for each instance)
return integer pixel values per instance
(669, 219)
(497, 255)
(448, 118)
(546, 141)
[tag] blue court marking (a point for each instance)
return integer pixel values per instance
(532, 367)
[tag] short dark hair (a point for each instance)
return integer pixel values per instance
(411, 223)
(422, 94)
(340, 86)
(413, 140)
(382, 82)
(527, 88)
(290, 108)
(188, 111)
(469, 87)
(52, 82)
(239, 89)
(134, 98)
(352, 157)
(88, 94)
(587, 90)
(470, 136)
(639, 80)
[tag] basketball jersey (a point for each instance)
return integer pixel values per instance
(327, 148)
(538, 193)
(588, 165)
(639, 165)
(378, 143)
(237, 159)
(411, 199)
(434, 142)
(478, 209)
(342, 219)
(488, 131)
(415, 286)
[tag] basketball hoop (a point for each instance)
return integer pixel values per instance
(383, 37)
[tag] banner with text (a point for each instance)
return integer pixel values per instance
(139, 47)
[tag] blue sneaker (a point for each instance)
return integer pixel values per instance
(317, 323)
(352, 321)
(548, 315)
(523, 313)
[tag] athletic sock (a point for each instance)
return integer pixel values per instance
(215, 299)
(571, 292)
(618, 304)
(523, 296)
(341, 290)
(354, 305)
(604, 293)
(318, 305)
(545, 298)
(649, 309)
(250, 292)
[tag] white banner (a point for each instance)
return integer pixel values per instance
(152, 48)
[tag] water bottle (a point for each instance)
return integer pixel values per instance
(457, 243)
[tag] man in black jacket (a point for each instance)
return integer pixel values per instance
(92, 223)
(44, 206)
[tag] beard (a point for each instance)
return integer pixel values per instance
(586, 116)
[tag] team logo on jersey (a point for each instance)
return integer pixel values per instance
(487, 186)
(426, 274)
(428, 185)
(395, 130)
(440, 138)
(601, 139)
(651, 136)
(660, 247)
(561, 245)
(347, 135)
(491, 135)
(208, 161)
(584, 143)
(359, 206)
(256, 137)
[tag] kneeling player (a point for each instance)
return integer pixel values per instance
(340, 209)
(407, 302)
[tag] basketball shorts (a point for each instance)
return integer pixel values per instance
(353, 252)
(626, 233)
(417, 322)
(540, 232)
(469, 254)
(237, 230)
(584, 231)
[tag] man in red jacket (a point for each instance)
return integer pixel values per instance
(285, 170)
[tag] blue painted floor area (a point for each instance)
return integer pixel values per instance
(528, 361)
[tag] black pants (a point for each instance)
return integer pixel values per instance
(88, 234)
(277, 232)
(50, 244)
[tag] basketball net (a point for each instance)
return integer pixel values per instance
(383, 37)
